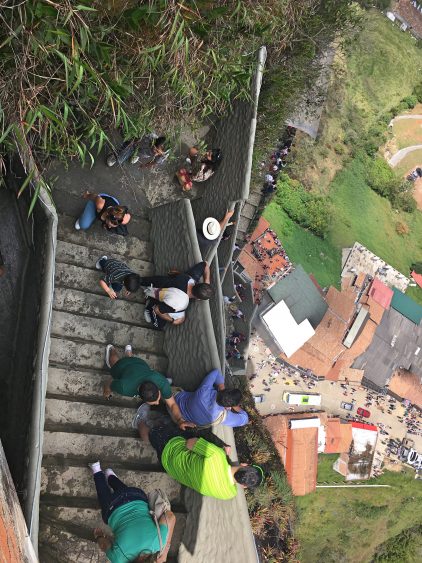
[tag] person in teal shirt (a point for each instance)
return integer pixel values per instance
(126, 511)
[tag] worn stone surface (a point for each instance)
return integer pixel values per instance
(72, 482)
(99, 306)
(104, 242)
(68, 253)
(70, 448)
(91, 356)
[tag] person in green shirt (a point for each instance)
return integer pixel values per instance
(132, 377)
(125, 510)
(200, 464)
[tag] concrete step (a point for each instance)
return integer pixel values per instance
(248, 210)
(89, 418)
(57, 523)
(105, 242)
(67, 447)
(243, 223)
(254, 198)
(79, 255)
(77, 482)
(99, 306)
(83, 279)
(90, 329)
(68, 353)
(56, 544)
(83, 385)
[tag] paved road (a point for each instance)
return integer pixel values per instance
(332, 395)
(406, 117)
(395, 159)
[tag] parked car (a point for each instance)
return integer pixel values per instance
(346, 406)
(259, 398)
(403, 453)
(413, 458)
(363, 412)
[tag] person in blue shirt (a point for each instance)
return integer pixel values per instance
(211, 403)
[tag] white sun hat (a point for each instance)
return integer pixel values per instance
(211, 228)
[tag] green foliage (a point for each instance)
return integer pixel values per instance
(410, 101)
(401, 547)
(306, 209)
(380, 176)
(418, 92)
(417, 267)
(366, 510)
(382, 179)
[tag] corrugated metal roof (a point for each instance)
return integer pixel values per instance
(356, 327)
(406, 306)
(301, 296)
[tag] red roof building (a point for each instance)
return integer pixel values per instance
(381, 293)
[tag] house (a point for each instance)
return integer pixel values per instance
(357, 463)
(300, 437)
(289, 313)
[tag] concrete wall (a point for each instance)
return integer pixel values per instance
(15, 545)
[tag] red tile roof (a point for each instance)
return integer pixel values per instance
(342, 303)
(260, 229)
(417, 278)
(381, 293)
(338, 436)
(407, 386)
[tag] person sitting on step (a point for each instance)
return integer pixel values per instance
(117, 275)
(132, 377)
(168, 296)
(106, 209)
(137, 535)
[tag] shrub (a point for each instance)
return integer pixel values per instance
(303, 207)
(416, 267)
(380, 176)
(411, 101)
(417, 91)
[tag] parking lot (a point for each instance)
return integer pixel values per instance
(270, 379)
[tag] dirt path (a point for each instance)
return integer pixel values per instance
(395, 159)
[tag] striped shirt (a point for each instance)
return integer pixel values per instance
(115, 271)
(204, 468)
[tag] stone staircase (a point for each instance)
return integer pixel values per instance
(80, 425)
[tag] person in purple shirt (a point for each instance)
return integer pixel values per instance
(211, 403)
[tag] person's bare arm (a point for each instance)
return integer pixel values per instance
(110, 292)
(104, 542)
(176, 415)
(225, 219)
(190, 443)
(168, 519)
(164, 316)
(207, 273)
(98, 200)
(107, 392)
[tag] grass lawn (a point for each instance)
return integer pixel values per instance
(317, 256)
(326, 473)
(408, 132)
(347, 525)
(364, 216)
(410, 162)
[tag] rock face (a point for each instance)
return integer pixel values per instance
(80, 425)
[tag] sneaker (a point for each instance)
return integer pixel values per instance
(109, 472)
(111, 160)
(147, 316)
(169, 379)
(134, 159)
(142, 415)
(77, 225)
(128, 350)
(97, 263)
(95, 467)
(109, 348)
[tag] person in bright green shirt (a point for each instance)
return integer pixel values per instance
(126, 511)
(201, 465)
